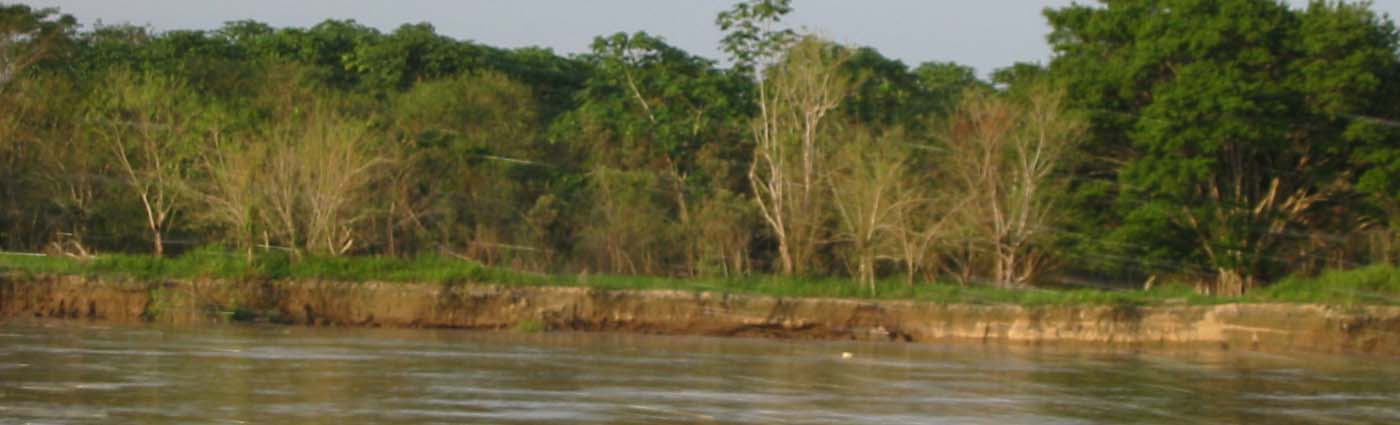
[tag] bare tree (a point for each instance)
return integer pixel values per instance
(339, 169)
(302, 183)
(923, 227)
(316, 178)
(790, 148)
(1003, 155)
(869, 193)
(230, 194)
(281, 190)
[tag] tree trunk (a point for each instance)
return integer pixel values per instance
(867, 271)
(784, 254)
(159, 242)
(1233, 283)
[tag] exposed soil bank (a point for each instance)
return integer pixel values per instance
(1266, 327)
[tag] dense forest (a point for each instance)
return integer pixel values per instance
(1223, 143)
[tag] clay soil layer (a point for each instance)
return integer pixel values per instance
(1265, 327)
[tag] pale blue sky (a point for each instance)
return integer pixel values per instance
(986, 34)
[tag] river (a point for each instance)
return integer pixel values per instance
(81, 373)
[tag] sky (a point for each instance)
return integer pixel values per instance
(986, 34)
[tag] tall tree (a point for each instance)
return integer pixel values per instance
(752, 38)
(792, 146)
(650, 107)
(1222, 124)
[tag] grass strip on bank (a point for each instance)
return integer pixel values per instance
(1373, 285)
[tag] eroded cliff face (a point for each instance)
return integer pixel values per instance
(1267, 327)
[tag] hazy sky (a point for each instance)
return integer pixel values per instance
(986, 34)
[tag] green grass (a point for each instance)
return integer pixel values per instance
(1375, 284)
(41, 264)
(1370, 285)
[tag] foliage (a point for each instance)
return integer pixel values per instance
(28, 36)
(1226, 144)
(751, 39)
(150, 124)
(472, 162)
(1221, 129)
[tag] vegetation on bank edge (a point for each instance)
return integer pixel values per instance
(1376, 284)
(1236, 143)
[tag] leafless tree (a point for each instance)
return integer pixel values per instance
(790, 148)
(231, 194)
(304, 186)
(1002, 161)
(869, 191)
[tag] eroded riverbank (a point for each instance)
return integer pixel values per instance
(1263, 327)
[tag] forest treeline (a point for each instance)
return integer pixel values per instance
(1227, 143)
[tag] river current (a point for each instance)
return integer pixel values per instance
(81, 373)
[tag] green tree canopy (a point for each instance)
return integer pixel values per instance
(1222, 123)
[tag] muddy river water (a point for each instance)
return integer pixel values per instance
(81, 373)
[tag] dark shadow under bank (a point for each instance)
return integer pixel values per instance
(1264, 327)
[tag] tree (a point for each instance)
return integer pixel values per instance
(50, 176)
(650, 107)
(790, 149)
(316, 176)
(28, 36)
(149, 124)
(299, 177)
(923, 226)
(231, 194)
(339, 167)
(750, 38)
(31, 108)
(941, 83)
(723, 227)
(870, 193)
(410, 54)
(628, 230)
(474, 161)
(327, 49)
(1004, 156)
(1221, 126)
(887, 95)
